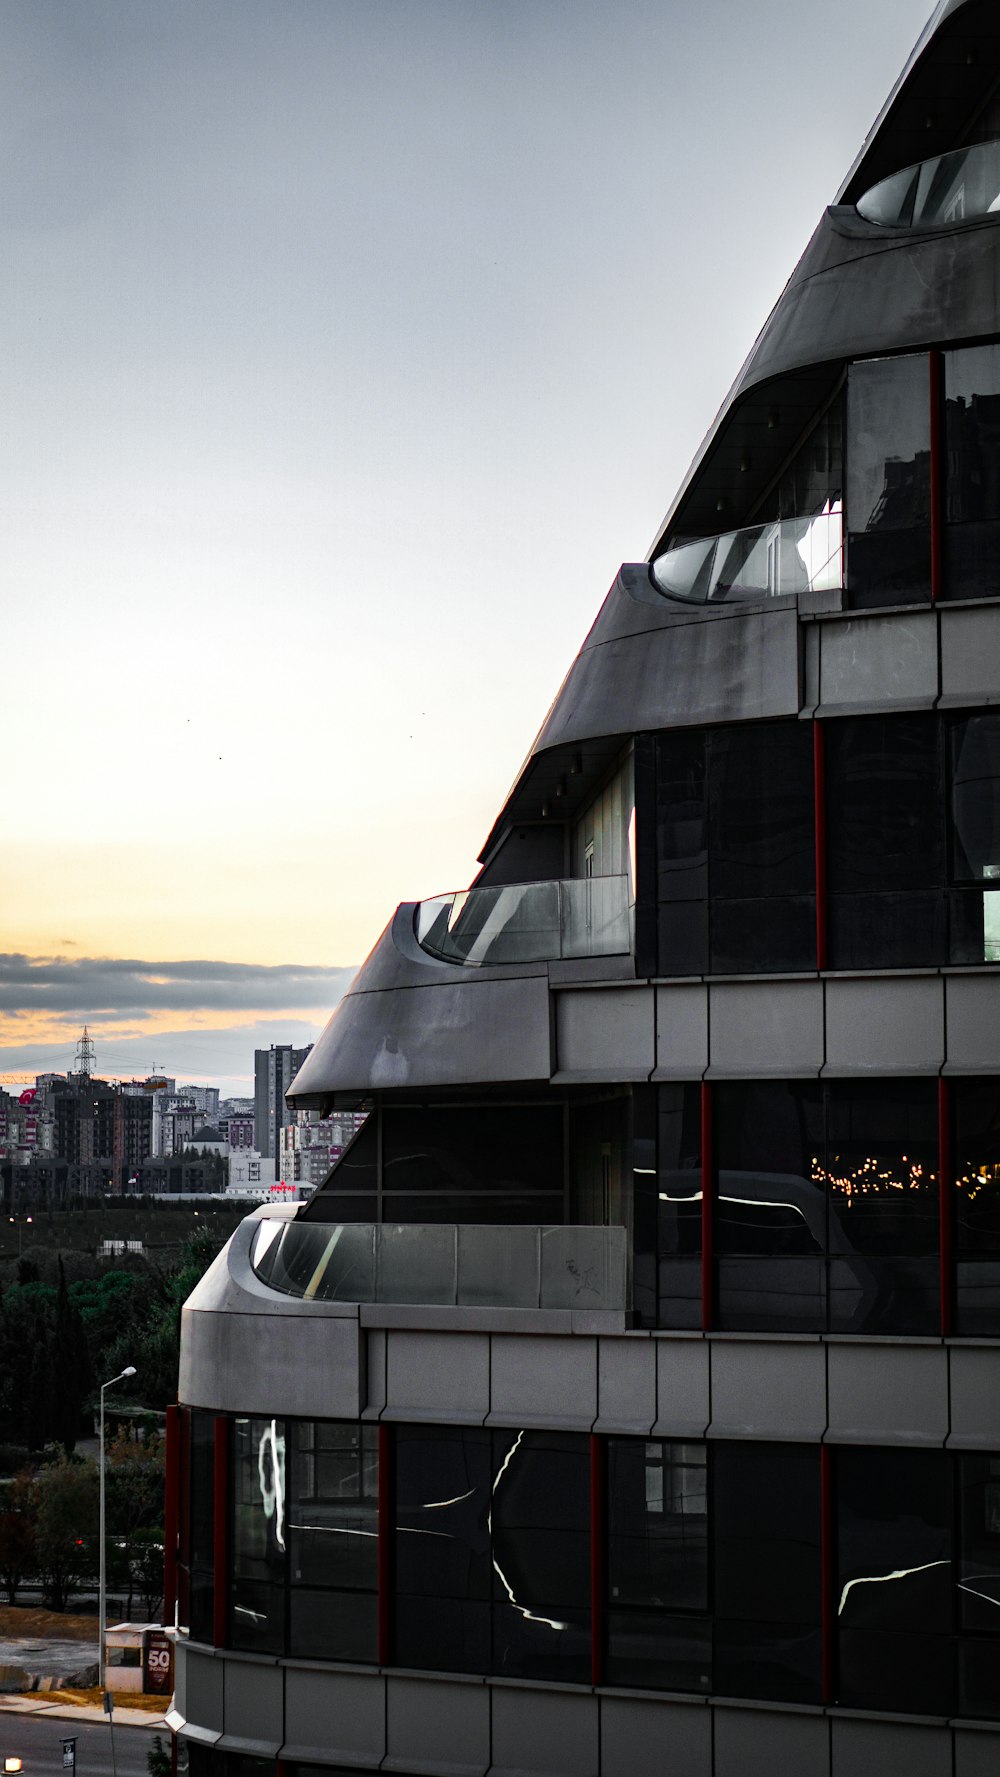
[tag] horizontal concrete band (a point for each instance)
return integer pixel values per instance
(857, 1026)
(462, 1727)
(841, 1390)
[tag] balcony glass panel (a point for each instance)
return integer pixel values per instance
(527, 922)
(764, 561)
(444, 1263)
(938, 193)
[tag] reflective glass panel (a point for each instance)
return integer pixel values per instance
(894, 1582)
(657, 1524)
(259, 1534)
(767, 1570)
(881, 1177)
(888, 481)
(333, 1504)
(972, 491)
(975, 1111)
(771, 1208)
(761, 829)
(938, 193)
(677, 1184)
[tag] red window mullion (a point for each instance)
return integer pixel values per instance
(937, 474)
(828, 1577)
(220, 1574)
(384, 1543)
(707, 1212)
(597, 1536)
(819, 820)
(946, 1208)
(171, 1515)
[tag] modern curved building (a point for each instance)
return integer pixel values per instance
(627, 1400)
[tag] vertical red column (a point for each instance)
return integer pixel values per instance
(828, 1579)
(946, 1213)
(384, 1543)
(597, 1540)
(171, 1515)
(819, 819)
(937, 473)
(220, 1577)
(707, 1212)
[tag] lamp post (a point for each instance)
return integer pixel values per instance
(102, 1601)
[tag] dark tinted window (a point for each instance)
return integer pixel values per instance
(771, 1207)
(443, 1483)
(972, 478)
(658, 1567)
(541, 1555)
(677, 1188)
(888, 481)
(332, 1536)
(895, 1579)
(761, 811)
(258, 1534)
(975, 1110)
(768, 1585)
(201, 1518)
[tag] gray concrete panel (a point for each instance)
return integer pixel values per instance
(682, 1387)
(473, 1026)
(759, 1743)
(738, 668)
(977, 1752)
(883, 1748)
(334, 1718)
(439, 1728)
(544, 1382)
(646, 1739)
(199, 1688)
(768, 1389)
(885, 1393)
(309, 1364)
(538, 1733)
(626, 1385)
(970, 655)
(607, 1032)
(681, 1032)
(441, 1376)
(973, 1024)
(253, 1707)
(766, 1028)
(873, 662)
(885, 1026)
(975, 1396)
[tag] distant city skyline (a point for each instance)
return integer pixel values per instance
(347, 345)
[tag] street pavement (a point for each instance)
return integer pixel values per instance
(37, 1738)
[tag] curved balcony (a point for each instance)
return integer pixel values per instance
(764, 561)
(937, 193)
(527, 922)
(443, 1265)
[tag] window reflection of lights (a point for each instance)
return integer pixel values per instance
(271, 1450)
(963, 1586)
(880, 1579)
(522, 1609)
(435, 1505)
(872, 1177)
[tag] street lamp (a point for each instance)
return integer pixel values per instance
(102, 1602)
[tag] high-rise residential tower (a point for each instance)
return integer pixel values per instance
(627, 1398)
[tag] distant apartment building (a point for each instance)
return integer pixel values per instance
(311, 1145)
(206, 1102)
(237, 1129)
(250, 1174)
(274, 1070)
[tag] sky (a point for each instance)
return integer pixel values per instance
(350, 347)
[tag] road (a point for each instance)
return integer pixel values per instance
(38, 1741)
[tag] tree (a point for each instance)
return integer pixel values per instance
(17, 1533)
(134, 1482)
(66, 1526)
(158, 1759)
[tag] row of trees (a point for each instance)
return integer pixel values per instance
(49, 1524)
(59, 1339)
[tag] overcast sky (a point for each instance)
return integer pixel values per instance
(350, 346)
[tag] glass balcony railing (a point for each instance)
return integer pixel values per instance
(443, 1265)
(527, 922)
(937, 193)
(763, 561)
